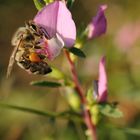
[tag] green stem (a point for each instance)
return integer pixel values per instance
(65, 114)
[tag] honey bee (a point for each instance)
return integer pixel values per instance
(26, 41)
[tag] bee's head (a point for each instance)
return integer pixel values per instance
(31, 26)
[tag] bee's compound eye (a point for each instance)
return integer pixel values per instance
(34, 57)
(34, 27)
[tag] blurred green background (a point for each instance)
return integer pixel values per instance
(121, 45)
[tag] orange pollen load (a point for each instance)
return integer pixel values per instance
(34, 57)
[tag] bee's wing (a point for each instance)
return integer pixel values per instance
(12, 59)
(18, 36)
(16, 40)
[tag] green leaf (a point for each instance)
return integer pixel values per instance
(72, 98)
(45, 84)
(110, 110)
(70, 3)
(77, 52)
(39, 4)
(89, 96)
(132, 131)
(56, 73)
(48, 1)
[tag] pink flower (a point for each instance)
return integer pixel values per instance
(127, 36)
(52, 47)
(59, 26)
(100, 87)
(98, 24)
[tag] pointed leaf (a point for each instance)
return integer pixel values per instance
(45, 84)
(132, 131)
(48, 1)
(39, 4)
(110, 110)
(70, 3)
(77, 52)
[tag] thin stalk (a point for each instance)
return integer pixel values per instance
(87, 117)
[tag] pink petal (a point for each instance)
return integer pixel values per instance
(65, 25)
(102, 85)
(56, 18)
(127, 36)
(52, 47)
(47, 18)
(98, 24)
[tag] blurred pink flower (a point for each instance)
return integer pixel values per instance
(98, 24)
(127, 35)
(100, 87)
(56, 21)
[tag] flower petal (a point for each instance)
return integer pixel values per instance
(98, 24)
(53, 47)
(102, 84)
(127, 36)
(65, 25)
(47, 18)
(56, 18)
